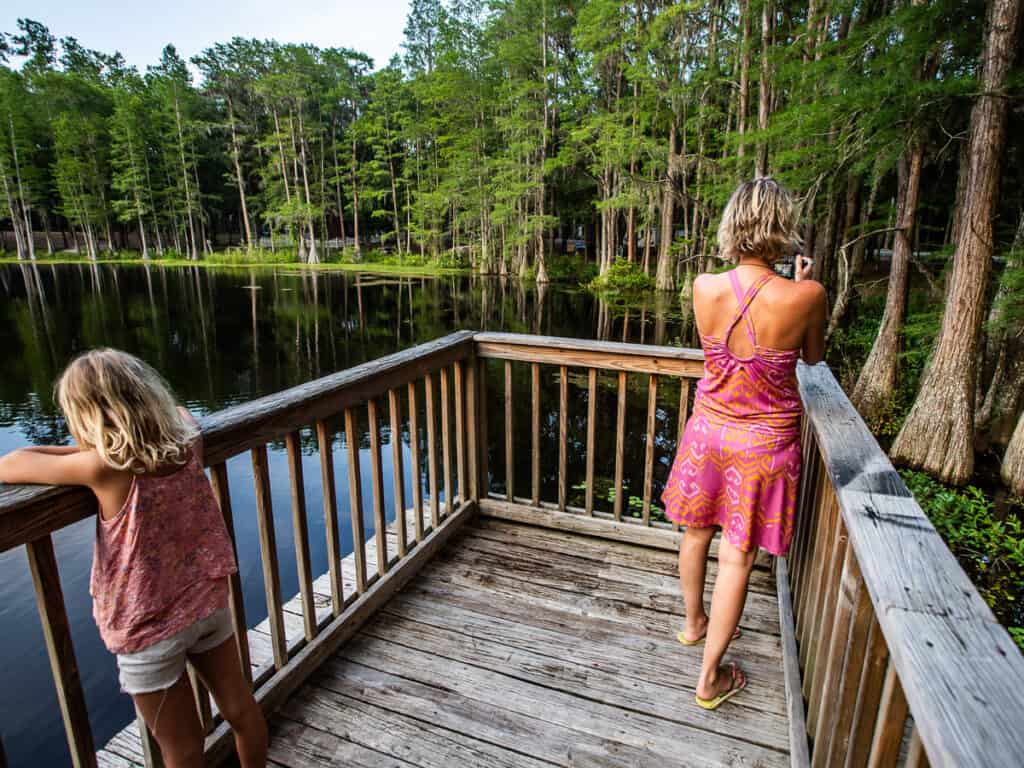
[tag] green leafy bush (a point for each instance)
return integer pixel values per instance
(622, 277)
(571, 269)
(991, 551)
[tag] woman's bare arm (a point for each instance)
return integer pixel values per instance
(31, 465)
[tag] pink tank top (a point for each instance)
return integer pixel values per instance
(159, 564)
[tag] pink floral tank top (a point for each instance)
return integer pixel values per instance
(159, 564)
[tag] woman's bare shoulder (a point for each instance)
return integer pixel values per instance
(806, 293)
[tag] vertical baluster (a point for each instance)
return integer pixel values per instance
(446, 442)
(219, 481)
(483, 443)
(652, 404)
(892, 717)
(414, 447)
(57, 634)
(460, 430)
(816, 511)
(151, 756)
(380, 523)
(828, 511)
(684, 398)
(435, 507)
(916, 757)
(817, 660)
(620, 443)
(300, 526)
(326, 450)
(202, 697)
(355, 500)
(855, 663)
(268, 553)
(833, 657)
(397, 471)
(563, 435)
(509, 477)
(535, 434)
(591, 425)
(869, 696)
(471, 425)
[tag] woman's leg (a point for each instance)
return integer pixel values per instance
(172, 718)
(734, 567)
(222, 673)
(693, 561)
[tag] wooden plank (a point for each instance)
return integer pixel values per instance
(818, 593)
(397, 471)
(458, 377)
(563, 435)
(869, 695)
(484, 442)
(355, 500)
(799, 751)
(916, 758)
(297, 745)
(268, 553)
(300, 528)
(435, 503)
(620, 444)
(941, 634)
(311, 656)
(892, 714)
(652, 405)
(509, 464)
(414, 448)
(325, 446)
(823, 638)
(591, 426)
(60, 650)
(446, 441)
(377, 484)
(578, 353)
(471, 427)
(219, 481)
(369, 660)
(535, 434)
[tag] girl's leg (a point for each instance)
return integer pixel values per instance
(172, 718)
(693, 561)
(221, 672)
(734, 567)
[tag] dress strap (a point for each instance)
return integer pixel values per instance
(744, 300)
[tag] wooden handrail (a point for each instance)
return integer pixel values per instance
(29, 512)
(957, 667)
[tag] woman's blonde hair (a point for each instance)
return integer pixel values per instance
(759, 220)
(120, 407)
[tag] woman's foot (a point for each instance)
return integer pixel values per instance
(695, 631)
(717, 688)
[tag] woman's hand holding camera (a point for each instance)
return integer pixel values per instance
(802, 267)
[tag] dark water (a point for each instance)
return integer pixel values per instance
(221, 337)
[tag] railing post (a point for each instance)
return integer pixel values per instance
(219, 481)
(59, 648)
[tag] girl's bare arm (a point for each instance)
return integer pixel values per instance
(52, 467)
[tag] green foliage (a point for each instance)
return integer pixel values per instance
(572, 268)
(622, 277)
(990, 550)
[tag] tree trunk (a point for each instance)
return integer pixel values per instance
(938, 434)
(744, 94)
(665, 275)
(1013, 460)
(764, 86)
(877, 383)
(235, 153)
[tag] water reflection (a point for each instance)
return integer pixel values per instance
(224, 336)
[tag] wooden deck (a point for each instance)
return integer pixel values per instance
(520, 646)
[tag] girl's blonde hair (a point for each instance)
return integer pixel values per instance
(759, 220)
(122, 408)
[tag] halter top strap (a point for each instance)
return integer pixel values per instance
(744, 300)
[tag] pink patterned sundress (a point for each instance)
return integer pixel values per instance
(738, 461)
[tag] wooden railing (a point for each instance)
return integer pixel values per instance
(879, 622)
(29, 515)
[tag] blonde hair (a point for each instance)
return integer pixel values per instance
(122, 408)
(759, 220)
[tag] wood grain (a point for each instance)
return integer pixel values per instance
(435, 499)
(417, 474)
(652, 405)
(620, 444)
(799, 751)
(268, 553)
(377, 485)
(355, 500)
(325, 447)
(458, 380)
(397, 470)
(591, 427)
(563, 435)
(300, 529)
(509, 463)
(446, 441)
(535, 434)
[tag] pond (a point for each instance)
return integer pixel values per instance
(225, 336)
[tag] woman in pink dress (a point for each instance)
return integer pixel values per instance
(738, 464)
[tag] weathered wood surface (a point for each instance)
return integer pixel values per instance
(961, 673)
(28, 512)
(472, 664)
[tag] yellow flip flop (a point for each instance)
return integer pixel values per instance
(682, 638)
(721, 698)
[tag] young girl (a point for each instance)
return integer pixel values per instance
(162, 556)
(738, 464)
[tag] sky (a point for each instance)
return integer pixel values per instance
(139, 29)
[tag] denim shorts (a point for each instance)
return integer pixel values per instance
(161, 665)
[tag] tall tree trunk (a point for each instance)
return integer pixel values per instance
(1012, 471)
(355, 204)
(193, 249)
(239, 178)
(938, 434)
(744, 94)
(665, 274)
(541, 271)
(764, 86)
(877, 383)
